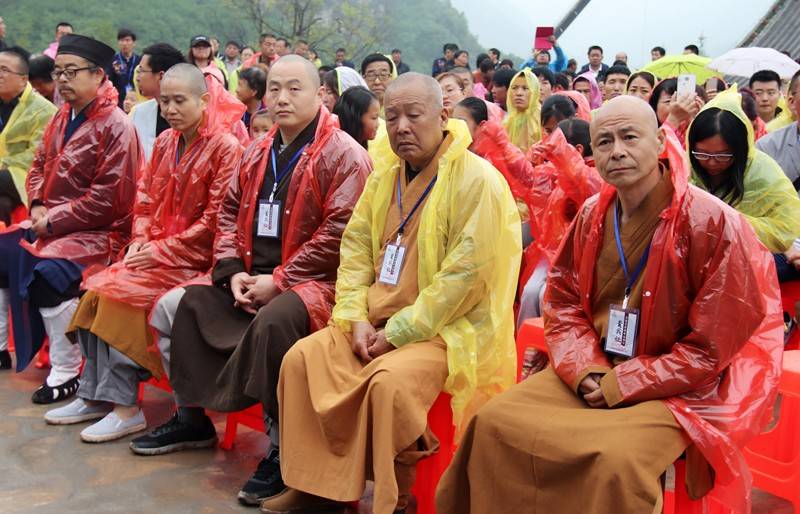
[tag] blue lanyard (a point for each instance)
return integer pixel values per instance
(405, 221)
(629, 279)
(279, 176)
(129, 69)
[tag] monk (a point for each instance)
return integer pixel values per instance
(175, 217)
(424, 301)
(626, 396)
(80, 190)
(273, 276)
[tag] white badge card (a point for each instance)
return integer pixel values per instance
(269, 218)
(392, 264)
(623, 327)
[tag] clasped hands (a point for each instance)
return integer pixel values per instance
(590, 389)
(368, 343)
(250, 292)
(39, 220)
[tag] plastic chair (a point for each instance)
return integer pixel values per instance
(252, 417)
(431, 469)
(790, 295)
(774, 456)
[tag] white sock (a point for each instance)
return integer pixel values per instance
(65, 357)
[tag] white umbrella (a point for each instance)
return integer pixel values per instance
(743, 62)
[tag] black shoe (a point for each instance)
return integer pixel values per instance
(5, 360)
(46, 394)
(175, 435)
(265, 482)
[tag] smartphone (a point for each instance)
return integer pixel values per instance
(712, 84)
(686, 84)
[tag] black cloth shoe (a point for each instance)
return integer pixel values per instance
(5, 360)
(265, 482)
(175, 435)
(46, 394)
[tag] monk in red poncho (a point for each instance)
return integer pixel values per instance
(81, 189)
(663, 320)
(275, 260)
(175, 217)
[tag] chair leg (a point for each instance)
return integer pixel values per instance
(231, 425)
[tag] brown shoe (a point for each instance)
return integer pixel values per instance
(292, 501)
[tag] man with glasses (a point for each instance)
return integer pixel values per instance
(146, 116)
(81, 187)
(378, 71)
(23, 115)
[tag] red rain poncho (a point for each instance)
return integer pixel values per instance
(89, 184)
(711, 328)
(553, 190)
(323, 190)
(177, 205)
(584, 110)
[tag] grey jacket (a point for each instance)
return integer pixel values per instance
(783, 146)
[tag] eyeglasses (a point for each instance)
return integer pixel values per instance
(7, 71)
(69, 73)
(383, 77)
(719, 157)
(142, 70)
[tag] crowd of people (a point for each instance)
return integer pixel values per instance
(342, 245)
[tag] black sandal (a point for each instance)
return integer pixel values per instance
(46, 394)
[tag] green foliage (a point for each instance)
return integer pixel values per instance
(418, 27)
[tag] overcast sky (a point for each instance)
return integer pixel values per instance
(616, 25)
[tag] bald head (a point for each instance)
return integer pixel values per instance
(293, 63)
(420, 86)
(626, 143)
(188, 75)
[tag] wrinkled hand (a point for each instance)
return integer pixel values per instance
(363, 336)
(240, 283)
(37, 213)
(144, 257)
(260, 292)
(590, 389)
(39, 226)
(379, 345)
(793, 256)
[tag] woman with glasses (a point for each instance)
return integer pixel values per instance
(726, 163)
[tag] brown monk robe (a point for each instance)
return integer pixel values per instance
(556, 466)
(354, 397)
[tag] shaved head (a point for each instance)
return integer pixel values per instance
(420, 85)
(189, 75)
(299, 63)
(626, 144)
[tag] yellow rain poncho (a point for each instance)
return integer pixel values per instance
(770, 202)
(469, 245)
(524, 127)
(784, 119)
(22, 135)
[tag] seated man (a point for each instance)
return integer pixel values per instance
(275, 260)
(175, 217)
(624, 398)
(423, 303)
(81, 188)
(23, 117)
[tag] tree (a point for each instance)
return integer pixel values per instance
(325, 24)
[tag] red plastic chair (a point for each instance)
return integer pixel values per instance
(790, 295)
(252, 417)
(774, 456)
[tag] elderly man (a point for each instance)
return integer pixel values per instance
(175, 217)
(147, 116)
(626, 395)
(81, 189)
(428, 270)
(275, 261)
(23, 117)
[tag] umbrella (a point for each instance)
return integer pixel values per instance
(684, 64)
(743, 62)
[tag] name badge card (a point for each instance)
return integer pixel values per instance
(392, 264)
(269, 219)
(623, 325)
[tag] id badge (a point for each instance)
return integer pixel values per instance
(623, 328)
(269, 219)
(392, 264)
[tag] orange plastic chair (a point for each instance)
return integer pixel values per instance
(774, 456)
(252, 417)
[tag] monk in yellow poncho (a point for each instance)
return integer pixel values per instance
(23, 117)
(725, 162)
(424, 295)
